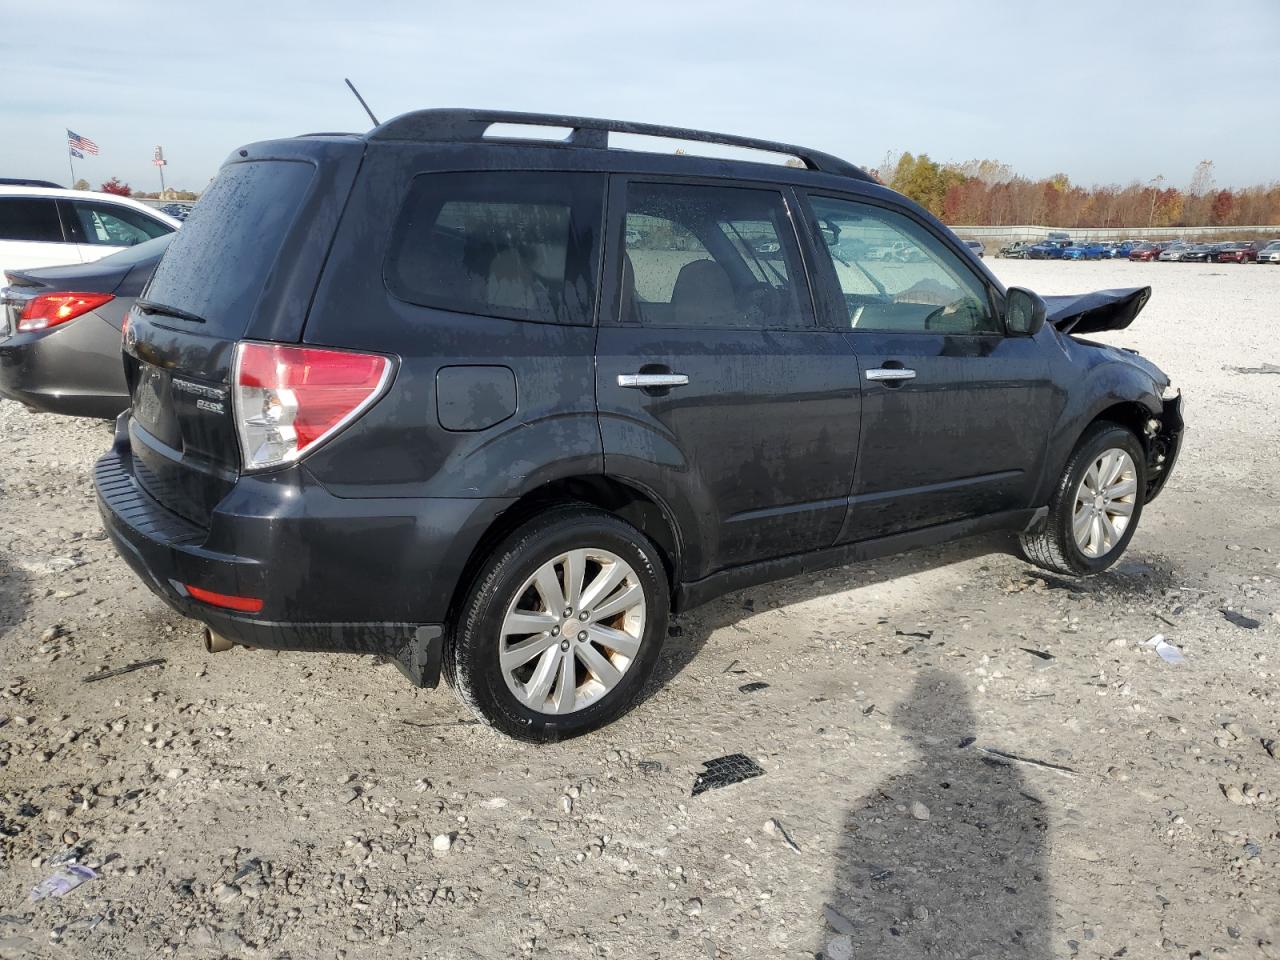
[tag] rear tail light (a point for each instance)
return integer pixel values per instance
(289, 399)
(51, 309)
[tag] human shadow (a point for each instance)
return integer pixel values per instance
(963, 875)
(13, 596)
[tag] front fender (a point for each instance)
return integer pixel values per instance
(1105, 386)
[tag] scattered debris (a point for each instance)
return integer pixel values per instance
(919, 811)
(1265, 368)
(250, 867)
(62, 881)
(1038, 653)
(753, 687)
(121, 671)
(1240, 620)
(921, 634)
(774, 826)
(966, 742)
(1167, 651)
(725, 772)
(1031, 761)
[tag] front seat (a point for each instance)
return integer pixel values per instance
(703, 296)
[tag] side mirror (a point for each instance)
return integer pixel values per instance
(1023, 312)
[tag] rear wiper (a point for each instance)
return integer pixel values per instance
(147, 307)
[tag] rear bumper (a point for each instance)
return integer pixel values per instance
(74, 369)
(334, 575)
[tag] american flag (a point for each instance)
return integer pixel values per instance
(79, 145)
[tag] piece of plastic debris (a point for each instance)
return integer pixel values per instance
(1240, 620)
(62, 881)
(1037, 653)
(1030, 761)
(121, 671)
(753, 687)
(775, 826)
(726, 771)
(1167, 651)
(919, 634)
(966, 742)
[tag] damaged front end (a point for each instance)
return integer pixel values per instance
(1096, 311)
(1115, 310)
(1164, 440)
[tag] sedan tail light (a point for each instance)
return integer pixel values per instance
(50, 309)
(287, 399)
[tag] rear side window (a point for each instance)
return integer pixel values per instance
(711, 257)
(30, 219)
(519, 245)
(222, 258)
(113, 224)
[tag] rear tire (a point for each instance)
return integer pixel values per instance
(1054, 545)
(580, 670)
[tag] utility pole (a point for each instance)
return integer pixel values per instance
(159, 161)
(1155, 188)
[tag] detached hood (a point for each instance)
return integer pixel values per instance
(1100, 310)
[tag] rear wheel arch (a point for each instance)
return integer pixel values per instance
(630, 502)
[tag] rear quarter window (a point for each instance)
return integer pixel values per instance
(222, 259)
(31, 219)
(518, 245)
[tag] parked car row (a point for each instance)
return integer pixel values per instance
(556, 433)
(1057, 248)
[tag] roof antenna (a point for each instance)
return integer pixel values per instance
(362, 103)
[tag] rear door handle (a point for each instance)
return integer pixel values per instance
(891, 374)
(642, 381)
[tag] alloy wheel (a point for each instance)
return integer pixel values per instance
(1105, 501)
(572, 631)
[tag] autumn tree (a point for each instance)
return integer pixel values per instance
(81, 184)
(115, 186)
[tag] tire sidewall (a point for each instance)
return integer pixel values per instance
(1102, 437)
(477, 672)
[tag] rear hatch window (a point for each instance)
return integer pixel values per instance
(201, 299)
(221, 260)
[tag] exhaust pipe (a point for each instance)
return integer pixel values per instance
(216, 642)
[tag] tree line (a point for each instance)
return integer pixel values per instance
(987, 192)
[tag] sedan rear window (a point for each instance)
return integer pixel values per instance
(222, 259)
(523, 246)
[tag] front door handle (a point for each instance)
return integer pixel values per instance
(891, 374)
(645, 381)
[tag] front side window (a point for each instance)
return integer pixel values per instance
(895, 276)
(517, 245)
(712, 257)
(115, 225)
(33, 219)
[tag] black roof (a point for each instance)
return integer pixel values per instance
(469, 126)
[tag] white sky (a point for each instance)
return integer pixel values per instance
(1107, 91)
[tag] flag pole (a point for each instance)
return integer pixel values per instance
(72, 184)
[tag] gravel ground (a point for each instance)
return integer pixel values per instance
(287, 805)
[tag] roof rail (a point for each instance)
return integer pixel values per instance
(470, 125)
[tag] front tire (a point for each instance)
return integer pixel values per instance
(561, 627)
(1095, 507)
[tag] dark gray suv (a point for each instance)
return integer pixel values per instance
(494, 406)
